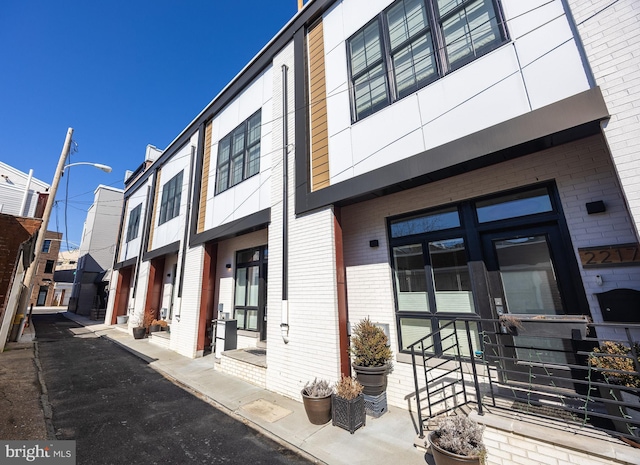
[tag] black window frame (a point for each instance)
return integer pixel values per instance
(239, 157)
(134, 222)
(46, 246)
(171, 197)
(434, 28)
(471, 231)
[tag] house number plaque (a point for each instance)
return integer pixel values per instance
(610, 255)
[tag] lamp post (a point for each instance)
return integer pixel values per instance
(31, 271)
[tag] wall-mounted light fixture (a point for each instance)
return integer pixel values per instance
(228, 266)
(596, 207)
(374, 243)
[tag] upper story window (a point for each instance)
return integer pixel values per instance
(48, 266)
(134, 222)
(171, 195)
(414, 42)
(46, 246)
(239, 153)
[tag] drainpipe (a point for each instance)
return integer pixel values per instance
(284, 325)
(25, 196)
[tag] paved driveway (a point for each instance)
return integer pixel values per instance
(120, 411)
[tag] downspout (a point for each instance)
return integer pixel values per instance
(26, 195)
(185, 237)
(284, 325)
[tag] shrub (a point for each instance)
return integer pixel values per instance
(348, 388)
(460, 435)
(317, 388)
(619, 357)
(369, 345)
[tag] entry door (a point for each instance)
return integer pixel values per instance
(251, 290)
(530, 276)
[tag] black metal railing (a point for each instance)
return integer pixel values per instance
(441, 386)
(558, 367)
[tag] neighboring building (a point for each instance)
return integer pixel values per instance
(408, 161)
(64, 276)
(16, 253)
(42, 291)
(21, 194)
(96, 251)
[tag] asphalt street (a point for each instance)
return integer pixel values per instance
(120, 411)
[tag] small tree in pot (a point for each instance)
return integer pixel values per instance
(347, 409)
(371, 356)
(457, 440)
(316, 397)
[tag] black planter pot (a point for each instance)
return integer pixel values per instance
(138, 333)
(318, 408)
(154, 328)
(348, 414)
(373, 379)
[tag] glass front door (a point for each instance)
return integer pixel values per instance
(250, 290)
(531, 280)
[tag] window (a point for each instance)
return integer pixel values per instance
(46, 246)
(134, 222)
(435, 256)
(48, 267)
(171, 195)
(414, 42)
(239, 154)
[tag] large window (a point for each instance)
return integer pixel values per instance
(413, 42)
(134, 223)
(46, 246)
(239, 154)
(171, 195)
(512, 234)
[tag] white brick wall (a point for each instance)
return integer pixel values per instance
(583, 173)
(251, 373)
(312, 350)
(186, 313)
(610, 32)
(507, 448)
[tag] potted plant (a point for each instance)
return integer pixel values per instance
(139, 330)
(371, 357)
(316, 397)
(615, 362)
(122, 319)
(458, 439)
(510, 324)
(347, 404)
(156, 325)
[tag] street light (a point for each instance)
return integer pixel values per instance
(30, 272)
(105, 168)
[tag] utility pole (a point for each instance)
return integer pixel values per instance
(31, 271)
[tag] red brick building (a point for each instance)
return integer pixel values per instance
(42, 292)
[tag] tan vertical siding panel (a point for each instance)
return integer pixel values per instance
(153, 210)
(206, 164)
(318, 110)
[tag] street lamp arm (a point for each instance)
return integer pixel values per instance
(105, 168)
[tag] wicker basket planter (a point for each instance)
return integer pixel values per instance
(348, 414)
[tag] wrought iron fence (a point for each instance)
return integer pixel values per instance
(559, 367)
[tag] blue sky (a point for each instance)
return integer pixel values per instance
(122, 74)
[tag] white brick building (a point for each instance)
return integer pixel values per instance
(443, 160)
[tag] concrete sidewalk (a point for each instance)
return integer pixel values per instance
(388, 439)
